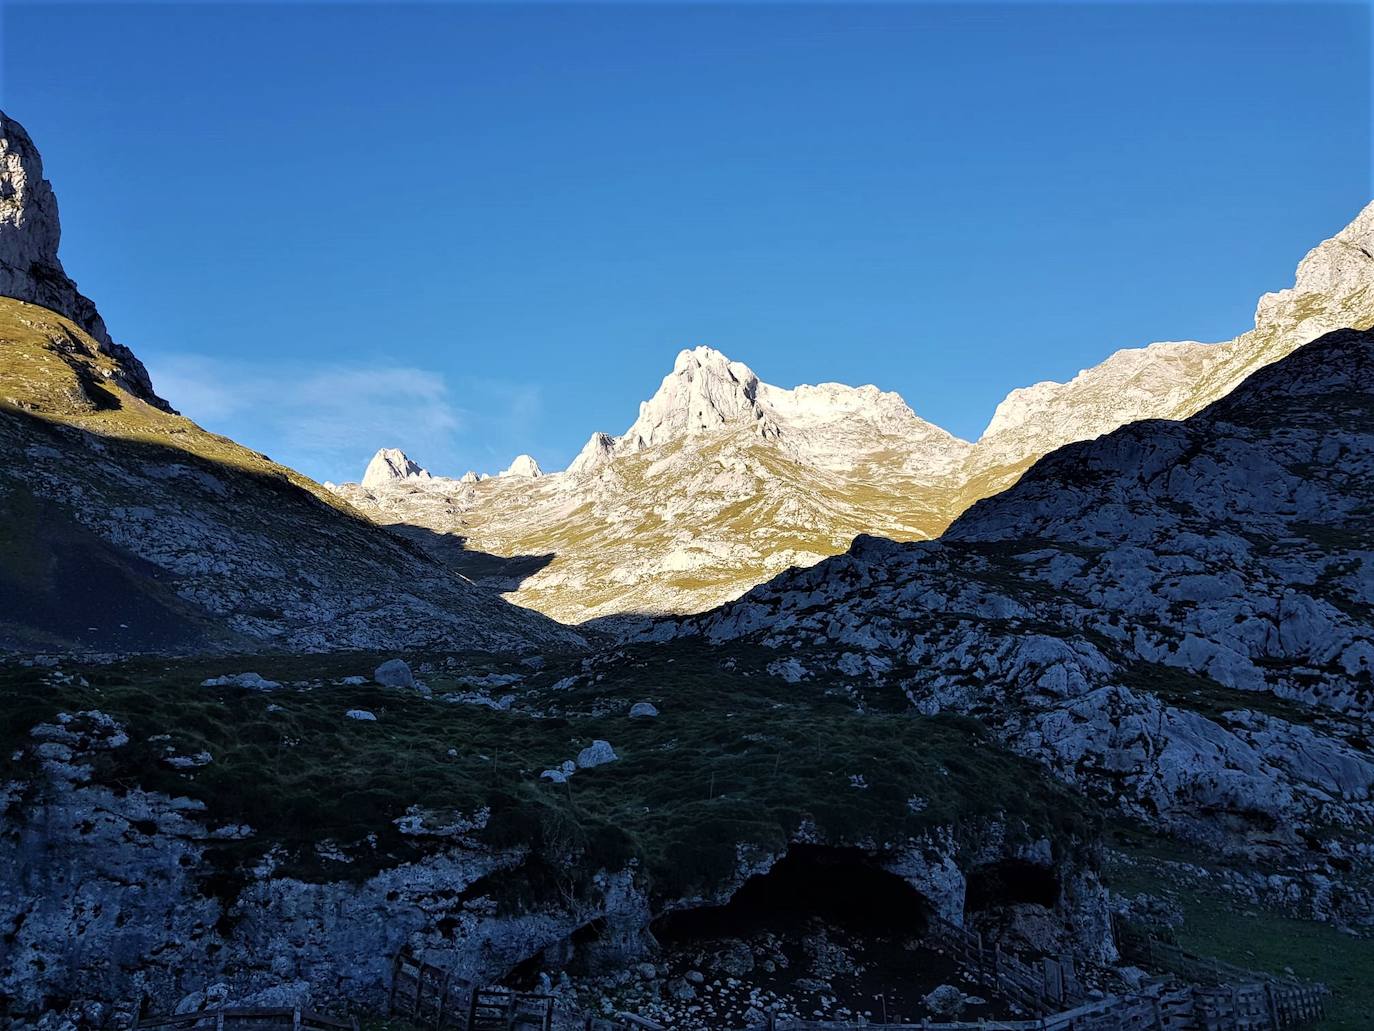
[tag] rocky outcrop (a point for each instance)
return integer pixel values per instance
(598, 450)
(389, 465)
(704, 392)
(1175, 616)
(29, 266)
(722, 482)
(126, 881)
(121, 895)
(1333, 289)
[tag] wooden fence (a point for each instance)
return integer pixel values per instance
(1228, 997)
(432, 997)
(248, 1019)
(1039, 990)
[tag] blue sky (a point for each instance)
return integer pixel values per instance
(475, 230)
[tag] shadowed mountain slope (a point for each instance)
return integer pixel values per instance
(1176, 616)
(128, 528)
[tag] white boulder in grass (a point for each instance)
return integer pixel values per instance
(643, 710)
(360, 714)
(562, 773)
(394, 673)
(598, 753)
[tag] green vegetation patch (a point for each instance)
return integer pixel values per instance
(1253, 936)
(736, 758)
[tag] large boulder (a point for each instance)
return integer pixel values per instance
(394, 673)
(598, 753)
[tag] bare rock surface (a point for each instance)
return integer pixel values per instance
(389, 465)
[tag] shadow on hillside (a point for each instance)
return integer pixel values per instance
(66, 584)
(494, 572)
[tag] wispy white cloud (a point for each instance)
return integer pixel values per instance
(324, 420)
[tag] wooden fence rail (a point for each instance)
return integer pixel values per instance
(249, 1019)
(432, 997)
(1228, 997)
(1039, 990)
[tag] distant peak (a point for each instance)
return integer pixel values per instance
(596, 452)
(390, 465)
(525, 467)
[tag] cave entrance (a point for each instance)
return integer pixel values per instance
(1011, 882)
(826, 933)
(842, 887)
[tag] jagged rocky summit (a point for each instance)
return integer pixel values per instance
(723, 481)
(389, 465)
(130, 528)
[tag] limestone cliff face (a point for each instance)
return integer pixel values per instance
(29, 266)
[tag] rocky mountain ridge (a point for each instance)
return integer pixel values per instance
(723, 480)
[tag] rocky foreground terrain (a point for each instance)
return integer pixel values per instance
(253, 744)
(724, 481)
(1175, 618)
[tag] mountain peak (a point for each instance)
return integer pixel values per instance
(705, 391)
(30, 270)
(389, 465)
(524, 466)
(597, 451)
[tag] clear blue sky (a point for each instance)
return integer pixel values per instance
(471, 230)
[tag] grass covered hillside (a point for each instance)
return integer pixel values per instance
(127, 528)
(736, 759)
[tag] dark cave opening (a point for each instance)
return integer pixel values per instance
(842, 887)
(1009, 882)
